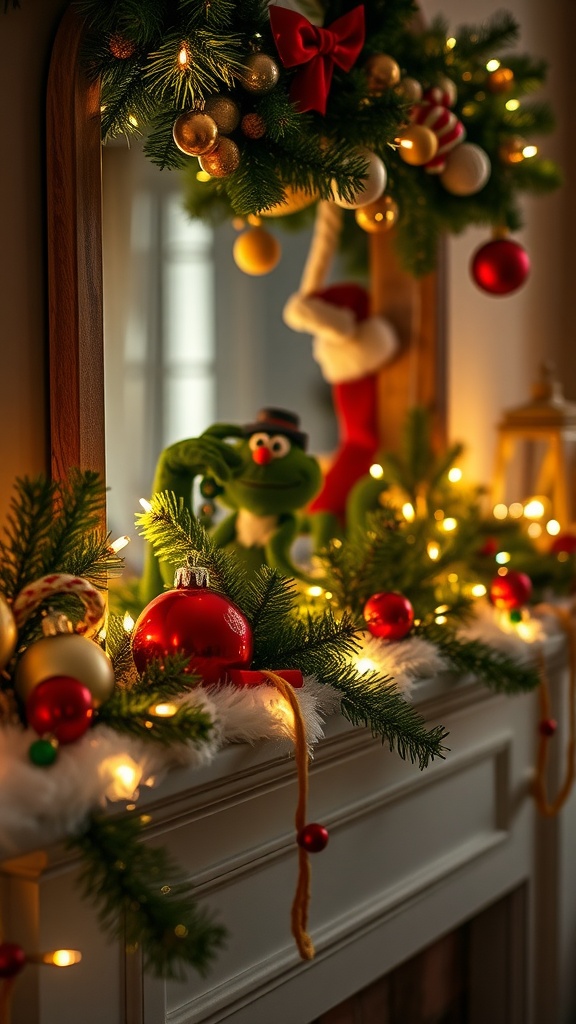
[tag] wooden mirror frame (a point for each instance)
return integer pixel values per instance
(74, 235)
(76, 336)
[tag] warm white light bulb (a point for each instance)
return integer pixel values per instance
(376, 471)
(454, 474)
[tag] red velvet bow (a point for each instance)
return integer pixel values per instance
(318, 49)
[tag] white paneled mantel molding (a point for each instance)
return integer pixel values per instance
(411, 856)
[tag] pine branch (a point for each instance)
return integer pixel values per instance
(27, 530)
(139, 899)
(131, 711)
(500, 672)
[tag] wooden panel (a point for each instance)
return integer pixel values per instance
(418, 374)
(76, 359)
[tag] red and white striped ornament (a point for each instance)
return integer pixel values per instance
(433, 112)
(61, 583)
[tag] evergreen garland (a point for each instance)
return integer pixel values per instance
(133, 49)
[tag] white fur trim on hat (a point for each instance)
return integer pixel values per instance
(344, 348)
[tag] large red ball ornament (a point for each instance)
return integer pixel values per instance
(12, 959)
(511, 591)
(61, 706)
(198, 622)
(389, 615)
(500, 267)
(564, 543)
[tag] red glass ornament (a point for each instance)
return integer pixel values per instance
(61, 706)
(389, 615)
(313, 837)
(511, 591)
(489, 547)
(547, 727)
(563, 543)
(198, 622)
(500, 266)
(12, 959)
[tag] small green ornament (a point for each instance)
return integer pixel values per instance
(43, 752)
(516, 615)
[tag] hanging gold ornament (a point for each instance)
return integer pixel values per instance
(260, 74)
(253, 126)
(223, 160)
(295, 199)
(379, 216)
(382, 72)
(195, 133)
(256, 252)
(417, 144)
(8, 632)
(500, 80)
(409, 89)
(225, 112)
(511, 149)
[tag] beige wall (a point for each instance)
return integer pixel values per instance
(495, 344)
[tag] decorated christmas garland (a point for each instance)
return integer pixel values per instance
(268, 109)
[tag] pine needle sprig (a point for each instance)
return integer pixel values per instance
(27, 531)
(497, 670)
(179, 539)
(269, 599)
(130, 710)
(136, 891)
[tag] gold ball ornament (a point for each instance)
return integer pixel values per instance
(253, 126)
(195, 133)
(500, 80)
(223, 160)
(224, 111)
(295, 199)
(410, 90)
(66, 654)
(382, 73)
(511, 149)
(417, 145)
(377, 218)
(256, 252)
(8, 632)
(372, 185)
(467, 170)
(260, 74)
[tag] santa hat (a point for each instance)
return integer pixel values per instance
(348, 342)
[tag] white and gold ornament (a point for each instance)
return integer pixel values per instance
(372, 186)
(467, 170)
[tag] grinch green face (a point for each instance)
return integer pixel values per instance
(276, 476)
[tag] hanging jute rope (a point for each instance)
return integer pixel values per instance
(545, 806)
(301, 900)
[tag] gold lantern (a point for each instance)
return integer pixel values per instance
(538, 442)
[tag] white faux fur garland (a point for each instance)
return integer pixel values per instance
(40, 806)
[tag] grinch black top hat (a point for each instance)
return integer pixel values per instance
(277, 421)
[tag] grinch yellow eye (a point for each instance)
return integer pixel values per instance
(259, 441)
(279, 446)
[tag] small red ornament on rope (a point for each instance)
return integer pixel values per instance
(511, 591)
(500, 267)
(389, 615)
(316, 50)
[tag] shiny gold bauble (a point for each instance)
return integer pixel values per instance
(382, 72)
(195, 133)
(410, 90)
(500, 80)
(379, 216)
(260, 74)
(225, 112)
(511, 150)
(8, 632)
(256, 252)
(253, 126)
(66, 654)
(417, 145)
(295, 199)
(223, 160)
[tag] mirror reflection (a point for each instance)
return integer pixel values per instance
(189, 339)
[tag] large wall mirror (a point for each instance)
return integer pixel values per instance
(188, 339)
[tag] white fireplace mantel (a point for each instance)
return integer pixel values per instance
(411, 856)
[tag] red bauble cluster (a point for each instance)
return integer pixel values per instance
(313, 837)
(500, 267)
(511, 591)
(198, 622)
(61, 707)
(389, 615)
